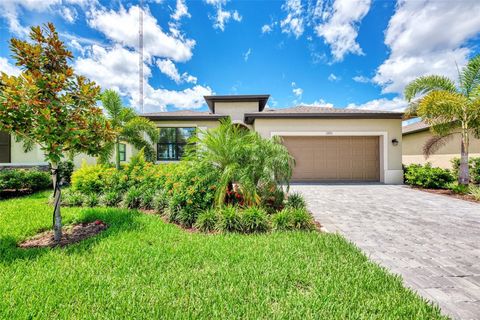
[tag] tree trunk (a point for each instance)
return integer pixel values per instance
(57, 218)
(117, 154)
(463, 171)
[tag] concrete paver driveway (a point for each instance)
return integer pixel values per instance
(432, 241)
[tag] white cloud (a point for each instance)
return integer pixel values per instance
(168, 68)
(159, 99)
(383, 104)
(423, 40)
(222, 17)
(246, 55)
(122, 27)
(69, 14)
(11, 10)
(361, 79)
(294, 21)
(296, 90)
(318, 103)
(339, 25)
(266, 28)
(334, 78)
(8, 68)
(181, 10)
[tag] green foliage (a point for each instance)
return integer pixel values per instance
(474, 168)
(160, 201)
(132, 199)
(146, 199)
(293, 219)
(65, 170)
(111, 199)
(18, 179)
(91, 200)
(89, 178)
(72, 198)
(254, 219)
(458, 188)
(296, 201)
(207, 220)
(427, 176)
(128, 127)
(474, 191)
(272, 198)
(229, 220)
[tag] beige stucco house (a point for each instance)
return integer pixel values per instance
(328, 144)
(415, 136)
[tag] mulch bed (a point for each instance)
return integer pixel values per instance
(450, 193)
(71, 234)
(13, 193)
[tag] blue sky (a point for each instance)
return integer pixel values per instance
(352, 53)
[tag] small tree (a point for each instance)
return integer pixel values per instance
(128, 127)
(49, 105)
(449, 110)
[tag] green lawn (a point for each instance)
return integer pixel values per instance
(142, 267)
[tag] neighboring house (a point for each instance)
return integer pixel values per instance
(328, 144)
(415, 136)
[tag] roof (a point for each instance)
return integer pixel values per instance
(308, 112)
(182, 115)
(260, 98)
(415, 127)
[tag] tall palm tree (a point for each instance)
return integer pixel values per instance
(449, 108)
(129, 127)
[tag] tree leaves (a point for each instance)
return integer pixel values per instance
(425, 84)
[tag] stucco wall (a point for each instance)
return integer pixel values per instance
(413, 149)
(236, 110)
(386, 129)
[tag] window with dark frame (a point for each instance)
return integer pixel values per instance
(172, 142)
(122, 151)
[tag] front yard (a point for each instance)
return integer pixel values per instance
(142, 267)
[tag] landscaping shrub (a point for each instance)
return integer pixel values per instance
(132, 198)
(474, 191)
(187, 216)
(160, 201)
(111, 199)
(254, 219)
(146, 199)
(272, 198)
(91, 200)
(88, 179)
(229, 220)
(293, 219)
(295, 200)
(72, 198)
(427, 176)
(19, 179)
(474, 168)
(207, 220)
(458, 188)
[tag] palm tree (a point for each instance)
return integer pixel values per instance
(129, 127)
(449, 109)
(243, 158)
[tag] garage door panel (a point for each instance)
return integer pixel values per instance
(335, 158)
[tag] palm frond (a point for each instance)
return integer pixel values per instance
(435, 143)
(107, 152)
(439, 107)
(426, 84)
(112, 104)
(470, 76)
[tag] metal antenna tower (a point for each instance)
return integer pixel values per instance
(140, 55)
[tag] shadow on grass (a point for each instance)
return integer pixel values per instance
(117, 220)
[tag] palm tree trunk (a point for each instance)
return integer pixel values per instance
(463, 172)
(117, 153)
(57, 217)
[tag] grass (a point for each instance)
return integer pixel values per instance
(142, 267)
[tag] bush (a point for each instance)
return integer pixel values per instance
(187, 216)
(111, 199)
(160, 201)
(295, 200)
(458, 188)
(18, 179)
(207, 220)
(88, 179)
(474, 168)
(254, 219)
(91, 200)
(475, 192)
(146, 199)
(132, 198)
(229, 220)
(72, 198)
(293, 219)
(272, 198)
(428, 176)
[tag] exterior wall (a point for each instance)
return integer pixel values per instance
(387, 129)
(36, 157)
(413, 149)
(236, 110)
(207, 124)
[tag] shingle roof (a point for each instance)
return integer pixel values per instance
(182, 115)
(303, 112)
(415, 127)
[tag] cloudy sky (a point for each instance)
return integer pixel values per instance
(351, 53)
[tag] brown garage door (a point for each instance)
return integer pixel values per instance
(335, 158)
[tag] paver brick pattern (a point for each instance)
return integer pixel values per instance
(432, 241)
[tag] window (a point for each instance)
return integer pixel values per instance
(122, 151)
(4, 147)
(172, 142)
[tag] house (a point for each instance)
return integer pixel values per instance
(415, 136)
(328, 144)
